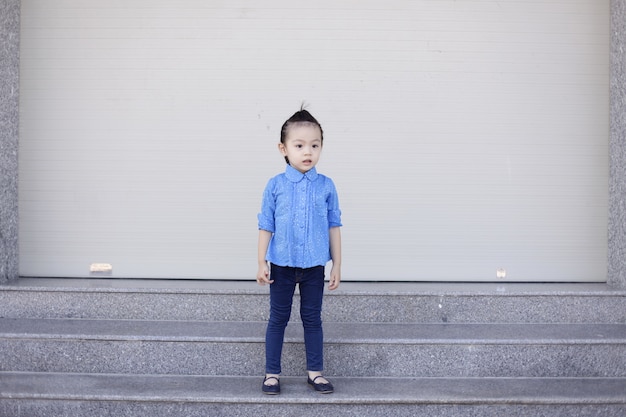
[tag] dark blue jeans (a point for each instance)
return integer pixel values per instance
(311, 284)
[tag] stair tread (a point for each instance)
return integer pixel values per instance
(363, 333)
(349, 287)
(227, 389)
(354, 302)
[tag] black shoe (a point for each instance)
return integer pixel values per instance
(271, 389)
(323, 387)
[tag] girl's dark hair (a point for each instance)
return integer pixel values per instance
(299, 118)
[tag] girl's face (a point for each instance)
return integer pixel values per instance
(303, 146)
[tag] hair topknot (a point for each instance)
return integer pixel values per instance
(301, 116)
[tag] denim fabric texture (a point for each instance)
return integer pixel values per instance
(311, 285)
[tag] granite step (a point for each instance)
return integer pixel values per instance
(140, 347)
(353, 302)
(351, 349)
(46, 394)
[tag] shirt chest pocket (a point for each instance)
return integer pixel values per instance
(321, 205)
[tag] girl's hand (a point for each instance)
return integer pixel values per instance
(335, 278)
(262, 276)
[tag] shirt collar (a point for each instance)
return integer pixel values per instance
(294, 175)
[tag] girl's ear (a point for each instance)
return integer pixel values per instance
(282, 149)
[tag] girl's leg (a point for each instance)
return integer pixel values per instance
(311, 294)
(281, 299)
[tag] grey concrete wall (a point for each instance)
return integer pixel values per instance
(617, 179)
(9, 123)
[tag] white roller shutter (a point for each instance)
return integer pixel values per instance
(465, 137)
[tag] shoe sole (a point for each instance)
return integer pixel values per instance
(320, 391)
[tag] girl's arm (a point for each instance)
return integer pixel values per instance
(262, 275)
(335, 254)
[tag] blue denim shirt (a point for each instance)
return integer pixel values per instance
(299, 209)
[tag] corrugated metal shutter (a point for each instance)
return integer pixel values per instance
(464, 136)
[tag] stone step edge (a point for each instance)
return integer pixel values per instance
(246, 390)
(351, 288)
(345, 333)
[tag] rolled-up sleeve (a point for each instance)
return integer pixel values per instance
(334, 213)
(268, 206)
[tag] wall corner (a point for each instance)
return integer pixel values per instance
(617, 149)
(9, 133)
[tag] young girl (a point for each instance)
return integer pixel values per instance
(298, 234)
